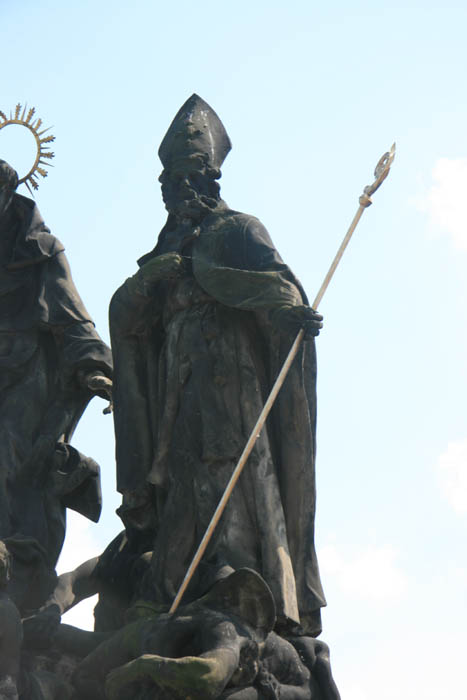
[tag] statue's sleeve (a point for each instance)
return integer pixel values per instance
(241, 268)
(62, 312)
(130, 306)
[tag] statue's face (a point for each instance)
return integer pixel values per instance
(184, 184)
(177, 187)
(182, 192)
(5, 198)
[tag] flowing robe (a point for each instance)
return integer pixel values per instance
(194, 361)
(46, 338)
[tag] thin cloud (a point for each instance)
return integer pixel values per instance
(418, 664)
(445, 202)
(452, 474)
(371, 573)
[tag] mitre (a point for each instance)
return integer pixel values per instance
(195, 130)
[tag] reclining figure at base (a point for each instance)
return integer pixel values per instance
(220, 646)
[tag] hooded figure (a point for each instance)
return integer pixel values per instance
(52, 362)
(198, 337)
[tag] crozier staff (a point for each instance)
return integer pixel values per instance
(381, 173)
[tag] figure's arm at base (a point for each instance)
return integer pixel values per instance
(72, 587)
(75, 586)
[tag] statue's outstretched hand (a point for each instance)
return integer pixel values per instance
(99, 384)
(292, 318)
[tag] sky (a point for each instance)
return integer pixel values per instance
(311, 94)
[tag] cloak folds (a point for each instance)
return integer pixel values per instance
(46, 338)
(194, 362)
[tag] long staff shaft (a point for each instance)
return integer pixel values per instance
(337, 258)
(365, 201)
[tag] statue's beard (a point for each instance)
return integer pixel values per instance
(195, 208)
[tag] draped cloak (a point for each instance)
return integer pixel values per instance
(194, 360)
(46, 337)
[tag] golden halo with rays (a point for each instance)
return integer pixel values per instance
(33, 125)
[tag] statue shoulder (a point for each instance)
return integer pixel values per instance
(236, 240)
(237, 229)
(34, 242)
(230, 218)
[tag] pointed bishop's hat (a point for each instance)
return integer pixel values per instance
(195, 130)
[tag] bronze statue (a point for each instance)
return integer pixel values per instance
(198, 335)
(52, 362)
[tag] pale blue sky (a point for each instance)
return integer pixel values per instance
(311, 94)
